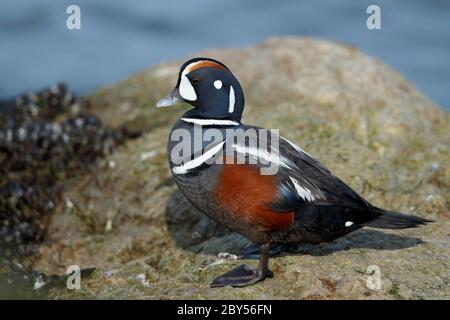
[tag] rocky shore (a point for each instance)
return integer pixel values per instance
(125, 217)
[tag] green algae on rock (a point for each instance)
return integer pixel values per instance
(357, 115)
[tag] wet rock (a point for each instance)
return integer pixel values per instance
(361, 118)
(46, 138)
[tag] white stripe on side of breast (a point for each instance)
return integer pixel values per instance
(194, 163)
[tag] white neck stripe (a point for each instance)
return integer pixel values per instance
(211, 122)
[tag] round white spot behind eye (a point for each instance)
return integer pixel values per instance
(218, 84)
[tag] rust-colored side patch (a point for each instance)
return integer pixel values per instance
(246, 194)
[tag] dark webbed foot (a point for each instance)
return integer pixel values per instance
(241, 276)
(245, 275)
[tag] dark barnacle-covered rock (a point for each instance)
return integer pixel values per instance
(45, 137)
(47, 144)
(43, 105)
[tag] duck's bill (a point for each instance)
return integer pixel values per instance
(173, 98)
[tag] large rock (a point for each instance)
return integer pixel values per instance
(360, 117)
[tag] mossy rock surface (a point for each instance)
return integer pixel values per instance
(358, 116)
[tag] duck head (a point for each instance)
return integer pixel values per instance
(210, 87)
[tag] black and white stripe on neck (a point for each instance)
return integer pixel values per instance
(211, 122)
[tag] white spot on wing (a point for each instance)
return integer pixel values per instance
(232, 100)
(303, 192)
(348, 223)
(184, 168)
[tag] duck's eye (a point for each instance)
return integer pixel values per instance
(195, 80)
(218, 84)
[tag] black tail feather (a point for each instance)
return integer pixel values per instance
(395, 220)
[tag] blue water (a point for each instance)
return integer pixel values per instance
(120, 37)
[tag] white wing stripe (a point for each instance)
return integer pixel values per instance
(263, 154)
(302, 191)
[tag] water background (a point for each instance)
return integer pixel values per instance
(121, 37)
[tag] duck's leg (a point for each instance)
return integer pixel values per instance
(245, 275)
(252, 251)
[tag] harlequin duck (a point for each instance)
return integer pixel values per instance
(254, 181)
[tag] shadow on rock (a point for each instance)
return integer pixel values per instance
(361, 239)
(194, 231)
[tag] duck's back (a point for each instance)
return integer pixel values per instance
(288, 204)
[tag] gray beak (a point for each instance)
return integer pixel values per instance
(173, 98)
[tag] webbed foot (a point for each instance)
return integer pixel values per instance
(245, 275)
(241, 276)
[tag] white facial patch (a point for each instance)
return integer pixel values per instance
(232, 100)
(348, 223)
(186, 89)
(218, 84)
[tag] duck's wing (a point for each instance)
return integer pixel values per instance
(331, 189)
(302, 180)
(270, 181)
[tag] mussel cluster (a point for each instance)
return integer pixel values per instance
(45, 138)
